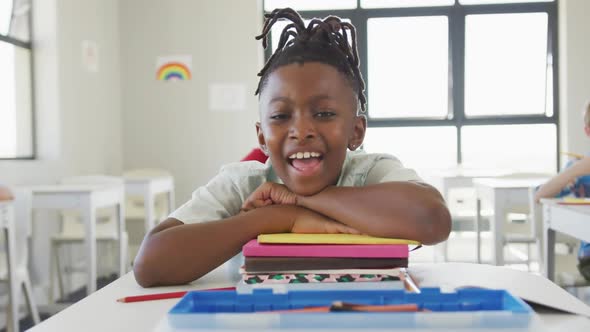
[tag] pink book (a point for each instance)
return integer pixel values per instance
(253, 248)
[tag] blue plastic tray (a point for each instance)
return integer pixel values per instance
(464, 308)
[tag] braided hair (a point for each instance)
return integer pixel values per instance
(324, 41)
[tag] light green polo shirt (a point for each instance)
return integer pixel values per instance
(223, 196)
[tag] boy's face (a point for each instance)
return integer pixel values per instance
(307, 121)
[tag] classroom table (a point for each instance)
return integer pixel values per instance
(502, 194)
(455, 178)
(86, 199)
(573, 220)
(101, 312)
(447, 180)
(148, 188)
(8, 227)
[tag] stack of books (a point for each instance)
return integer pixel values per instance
(326, 260)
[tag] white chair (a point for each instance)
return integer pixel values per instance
(72, 231)
(16, 272)
(149, 200)
(135, 204)
(519, 227)
(461, 203)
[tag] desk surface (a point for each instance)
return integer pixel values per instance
(70, 188)
(143, 179)
(510, 183)
(573, 220)
(101, 312)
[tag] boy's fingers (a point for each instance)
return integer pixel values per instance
(254, 204)
(261, 203)
(347, 229)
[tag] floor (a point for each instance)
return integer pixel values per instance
(73, 297)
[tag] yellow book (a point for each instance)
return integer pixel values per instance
(329, 239)
(575, 201)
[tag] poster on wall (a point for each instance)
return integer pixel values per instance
(174, 68)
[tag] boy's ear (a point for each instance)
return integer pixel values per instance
(587, 130)
(261, 140)
(358, 132)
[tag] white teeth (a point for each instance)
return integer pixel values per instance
(304, 155)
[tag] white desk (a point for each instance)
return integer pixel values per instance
(573, 220)
(446, 180)
(7, 224)
(148, 188)
(86, 199)
(101, 312)
(501, 193)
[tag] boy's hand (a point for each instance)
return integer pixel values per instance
(269, 193)
(308, 221)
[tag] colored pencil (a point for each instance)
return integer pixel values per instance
(163, 296)
(574, 155)
(347, 307)
(409, 282)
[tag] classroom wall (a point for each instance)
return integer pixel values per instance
(77, 113)
(169, 125)
(574, 65)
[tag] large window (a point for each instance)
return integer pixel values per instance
(16, 101)
(456, 82)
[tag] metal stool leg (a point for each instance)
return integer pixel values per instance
(31, 303)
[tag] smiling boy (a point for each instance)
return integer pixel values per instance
(310, 96)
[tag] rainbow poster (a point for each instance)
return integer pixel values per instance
(174, 68)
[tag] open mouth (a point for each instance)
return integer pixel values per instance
(306, 162)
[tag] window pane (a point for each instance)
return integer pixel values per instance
(421, 148)
(479, 2)
(270, 5)
(505, 64)
(5, 14)
(14, 21)
(15, 102)
(404, 3)
(19, 26)
(521, 148)
(277, 28)
(408, 67)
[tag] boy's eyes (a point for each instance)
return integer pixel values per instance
(279, 116)
(323, 114)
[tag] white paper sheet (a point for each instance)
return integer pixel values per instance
(527, 286)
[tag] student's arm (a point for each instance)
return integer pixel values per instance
(175, 253)
(561, 180)
(5, 194)
(410, 210)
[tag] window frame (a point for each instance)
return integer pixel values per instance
(26, 45)
(456, 14)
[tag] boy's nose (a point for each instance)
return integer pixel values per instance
(301, 129)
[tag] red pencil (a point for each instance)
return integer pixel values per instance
(162, 296)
